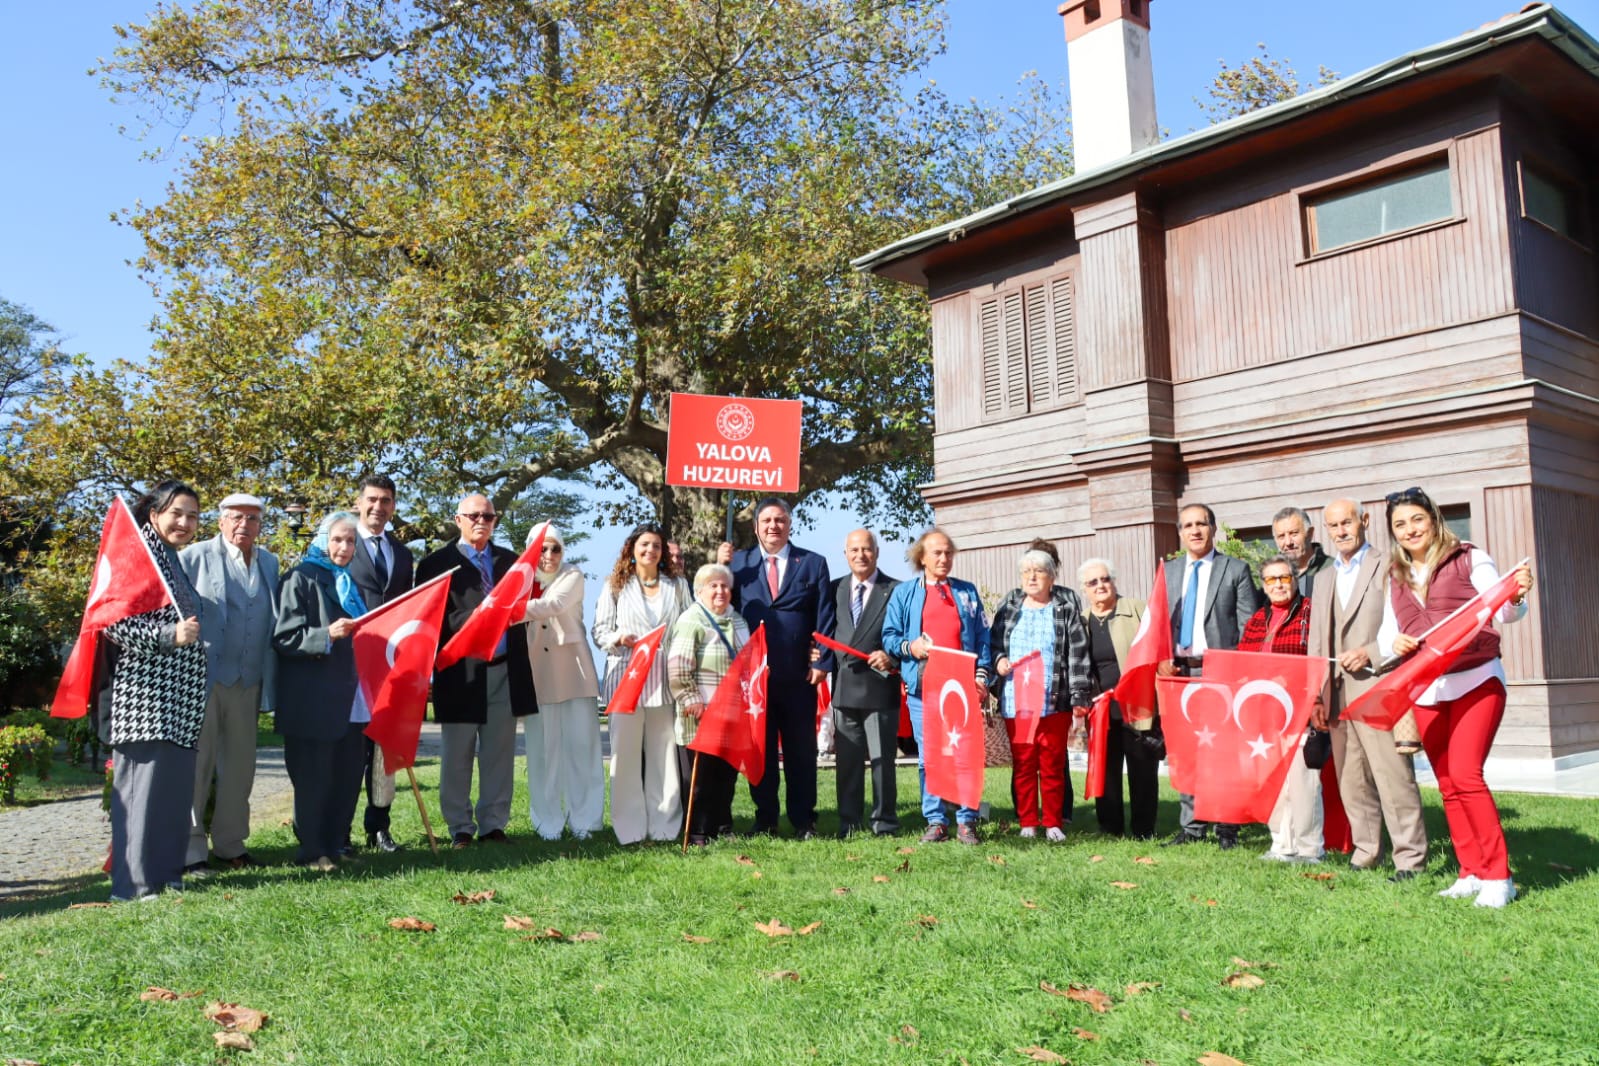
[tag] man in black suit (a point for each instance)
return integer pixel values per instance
(381, 569)
(477, 703)
(786, 587)
(865, 691)
(1212, 596)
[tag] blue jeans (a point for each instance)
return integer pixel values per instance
(932, 806)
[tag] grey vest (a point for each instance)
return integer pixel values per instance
(245, 642)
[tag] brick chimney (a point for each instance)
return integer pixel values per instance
(1112, 79)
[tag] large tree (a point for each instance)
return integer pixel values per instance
(477, 243)
(1258, 82)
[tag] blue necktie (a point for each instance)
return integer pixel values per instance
(858, 605)
(1185, 632)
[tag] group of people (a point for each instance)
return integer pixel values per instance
(182, 685)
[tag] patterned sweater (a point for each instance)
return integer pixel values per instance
(158, 688)
(698, 660)
(1292, 637)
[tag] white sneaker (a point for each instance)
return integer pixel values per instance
(1496, 893)
(1465, 886)
(1055, 835)
(1274, 856)
(1028, 832)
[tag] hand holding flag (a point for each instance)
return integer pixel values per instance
(504, 606)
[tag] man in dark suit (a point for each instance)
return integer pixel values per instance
(865, 691)
(381, 569)
(1211, 595)
(477, 703)
(787, 588)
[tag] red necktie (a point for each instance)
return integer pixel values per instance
(771, 574)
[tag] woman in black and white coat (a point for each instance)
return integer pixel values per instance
(158, 693)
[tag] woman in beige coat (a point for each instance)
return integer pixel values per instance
(1112, 623)
(565, 771)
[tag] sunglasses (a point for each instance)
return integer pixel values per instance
(1094, 581)
(487, 517)
(1276, 581)
(1410, 495)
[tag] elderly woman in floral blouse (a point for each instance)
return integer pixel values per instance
(704, 641)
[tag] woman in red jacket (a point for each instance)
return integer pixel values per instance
(1431, 573)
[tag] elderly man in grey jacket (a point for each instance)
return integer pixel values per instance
(237, 582)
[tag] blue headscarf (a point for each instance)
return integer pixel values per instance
(317, 555)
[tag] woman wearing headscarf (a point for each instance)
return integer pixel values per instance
(1048, 620)
(1431, 573)
(320, 710)
(644, 591)
(156, 665)
(565, 771)
(704, 641)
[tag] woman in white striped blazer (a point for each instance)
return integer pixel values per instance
(644, 592)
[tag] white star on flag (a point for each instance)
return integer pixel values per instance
(954, 739)
(1258, 747)
(1206, 738)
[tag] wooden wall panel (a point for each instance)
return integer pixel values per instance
(1509, 536)
(1556, 278)
(1239, 296)
(1111, 339)
(1560, 357)
(993, 568)
(1567, 571)
(1028, 441)
(957, 371)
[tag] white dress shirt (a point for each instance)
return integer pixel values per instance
(1201, 600)
(1452, 686)
(782, 564)
(1346, 574)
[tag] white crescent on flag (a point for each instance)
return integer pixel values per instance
(102, 583)
(1261, 688)
(405, 630)
(952, 733)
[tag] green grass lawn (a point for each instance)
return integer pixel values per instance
(923, 954)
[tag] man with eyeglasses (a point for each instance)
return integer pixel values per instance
(477, 703)
(237, 582)
(1212, 597)
(381, 568)
(1376, 782)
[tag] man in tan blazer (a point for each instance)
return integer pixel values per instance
(1377, 783)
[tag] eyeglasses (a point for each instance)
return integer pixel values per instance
(486, 517)
(1096, 581)
(550, 549)
(1276, 581)
(247, 519)
(1410, 495)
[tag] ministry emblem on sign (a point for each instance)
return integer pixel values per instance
(735, 421)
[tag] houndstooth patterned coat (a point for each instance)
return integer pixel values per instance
(158, 688)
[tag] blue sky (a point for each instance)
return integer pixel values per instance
(68, 168)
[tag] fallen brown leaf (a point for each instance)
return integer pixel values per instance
(236, 1041)
(21, 1062)
(546, 934)
(1140, 987)
(468, 898)
(585, 936)
(903, 868)
(841, 891)
(87, 906)
(852, 858)
(1145, 860)
(1247, 965)
(1182, 1012)
(412, 925)
(755, 874)
(156, 993)
(1326, 875)
(997, 860)
(1206, 902)
(910, 1034)
(807, 930)
(1243, 980)
(232, 1016)
(519, 923)
(774, 928)
(1096, 858)
(1029, 904)
(745, 860)
(780, 975)
(905, 851)
(1096, 999)
(1041, 1054)
(1084, 1034)
(287, 821)
(879, 879)
(1216, 1058)
(926, 921)
(1123, 884)
(692, 939)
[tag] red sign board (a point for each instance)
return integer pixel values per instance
(723, 442)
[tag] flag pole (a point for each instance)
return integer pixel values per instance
(422, 809)
(688, 812)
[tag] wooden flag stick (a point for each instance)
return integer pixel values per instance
(688, 813)
(422, 809)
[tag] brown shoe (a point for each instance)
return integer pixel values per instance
(936, 833)
(496, 836)
(461, 841)
(966, 834)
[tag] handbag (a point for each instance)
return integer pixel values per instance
(1318, 748)
(996, 742)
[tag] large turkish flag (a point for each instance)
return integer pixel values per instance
(1151, 646)
(502, 608)
(733, 725)
(393, 647)
(952, 727)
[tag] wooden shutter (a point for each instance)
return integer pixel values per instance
(1040, 357)
(993, 362)
(1063, 321)
(1015, 355)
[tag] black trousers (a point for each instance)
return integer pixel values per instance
(711, 813)
(1126, 751)
(861, 736)
(326, 775)
(791, 719)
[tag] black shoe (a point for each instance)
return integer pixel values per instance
(382, 841)
(763, 829)
(1401, 876)
(461, 841)
(1356, 868)
(495, 836)
(1180, 838)
(885, 832)
(345, 851)
(847, 830)
(808, 833)
(1226, 843)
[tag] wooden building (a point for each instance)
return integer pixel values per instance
(1389, 281)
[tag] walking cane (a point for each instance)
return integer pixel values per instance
(688, 815)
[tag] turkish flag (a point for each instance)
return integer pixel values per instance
(824, 699)
(733, 724)
(393, 646)
(126, 582)
(1387, 701)
(952, 727)
(1188, 707)
(505, 605)
(1151, 646)
(625, 699)
(1240, 766)
(1099, 727)
(1027, 674)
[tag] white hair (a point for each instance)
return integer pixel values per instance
(704, 574)
(1037, 560)
(1089, 564)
